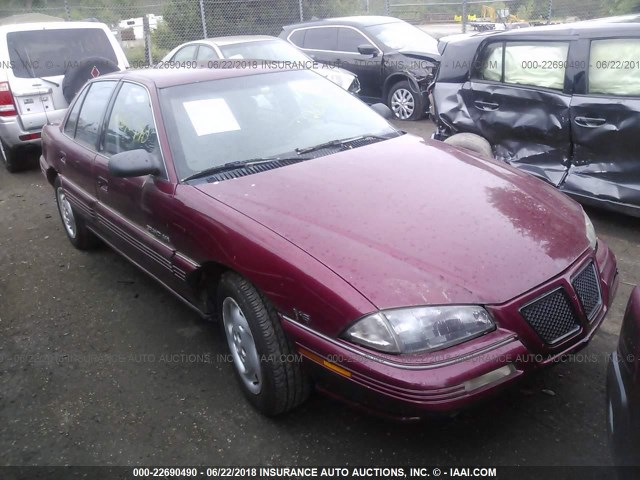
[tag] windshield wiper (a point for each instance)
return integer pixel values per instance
(237, 165)
(31, 71)
(337, 143)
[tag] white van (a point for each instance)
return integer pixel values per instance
(42, 67)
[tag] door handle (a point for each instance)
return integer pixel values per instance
(590, 122)
(63, 157)
(103, 183)
(486, 106)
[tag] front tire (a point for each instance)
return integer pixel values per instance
(264, 360)
(74, 226)
(405, 103)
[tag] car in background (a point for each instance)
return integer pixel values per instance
(394, 60)
(254, 47)
(623, 390)
(398, 273)
(44, 65)
(561, 102)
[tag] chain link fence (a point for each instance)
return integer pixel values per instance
(148, 29)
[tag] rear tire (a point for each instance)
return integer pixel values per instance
(472, 142)
(74, 226)
(9, 158)
(269, 372)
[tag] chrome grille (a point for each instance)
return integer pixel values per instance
(586, 286)
(551, 316)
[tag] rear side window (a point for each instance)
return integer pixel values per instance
(540, 64)
(349, 40)
(92, 112)
(46, 53)
(614, 67)
(131, 125)
(72, 120)
(325, 38)
(297, 38)
(185, 54)
(206, 53)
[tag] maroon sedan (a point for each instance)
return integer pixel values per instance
(397, 273)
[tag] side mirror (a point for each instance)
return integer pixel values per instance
(368, 49)
(382, 110)
(133, 163)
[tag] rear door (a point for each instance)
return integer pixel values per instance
(76, 156)
(321, 43)
(605, 122)
(518, 100)
(40, 59)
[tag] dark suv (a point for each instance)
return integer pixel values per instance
(561, 102)
(394, 61)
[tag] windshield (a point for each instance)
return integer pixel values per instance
(262, 115)
(404, 36)
(47, 53)
(272, 50)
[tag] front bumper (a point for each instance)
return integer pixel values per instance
(414, 386)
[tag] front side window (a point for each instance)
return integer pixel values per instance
(131, 125)
(349, 40)
(325, 38)
(92, 112)
(614, 67)
(270, 114)
(539, 64)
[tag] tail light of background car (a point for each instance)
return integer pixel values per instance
(7, 106)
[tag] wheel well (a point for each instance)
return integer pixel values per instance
(204, 280)
(51, 175)
(390, 82)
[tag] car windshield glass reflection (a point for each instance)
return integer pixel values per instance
(266, 115)
(272, 50)
(403, 36)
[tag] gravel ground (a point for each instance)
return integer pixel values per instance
(99, 365)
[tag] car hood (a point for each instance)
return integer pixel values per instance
(413, 222)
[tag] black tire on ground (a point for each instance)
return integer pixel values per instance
(9, 158)
(83, 71)
(472, 142)
(78, 233)
(282, 383)
(405, 102)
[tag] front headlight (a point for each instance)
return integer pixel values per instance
(420, 329)
(590, 231)
(342, 79)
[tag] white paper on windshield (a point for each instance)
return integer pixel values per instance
(212, 115)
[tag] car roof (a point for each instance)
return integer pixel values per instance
(233, 39)
(20, 27)
(611, 25)
(357, 21)
(162, 78)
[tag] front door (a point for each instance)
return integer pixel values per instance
(130, 209)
